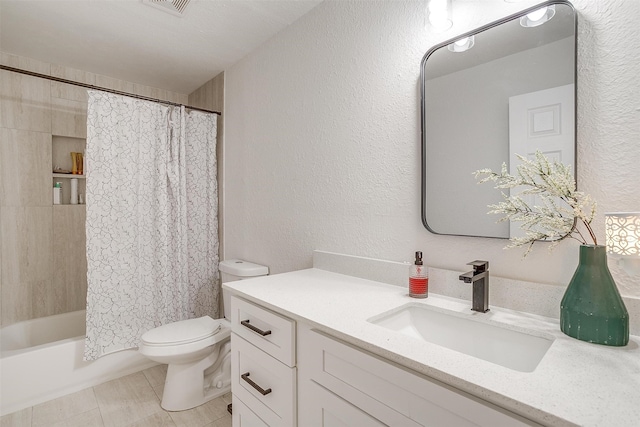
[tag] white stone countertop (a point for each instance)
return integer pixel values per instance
(576, 383)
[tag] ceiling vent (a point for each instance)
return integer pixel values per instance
(174, 7)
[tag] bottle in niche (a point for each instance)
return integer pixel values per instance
(57, 193)
(418, 279)
(74, 191)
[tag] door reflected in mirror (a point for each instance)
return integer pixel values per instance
(504, 89)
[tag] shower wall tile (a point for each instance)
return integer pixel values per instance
(16, 302)
(172, 97)
(210, 95)
(69, 258)
(25, 168)
(139, 89)
(69, 118)
(43, 300)
(28, 64)
(25, 257)
(25, 102)
(151, 92)
(114, 84)
(184, 99)
(70, 92)
(179, 98)
(26, 244)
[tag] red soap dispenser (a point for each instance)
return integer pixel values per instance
(418, 278)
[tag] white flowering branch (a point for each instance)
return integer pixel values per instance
(561, 209)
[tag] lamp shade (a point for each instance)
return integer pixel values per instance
(623, 239)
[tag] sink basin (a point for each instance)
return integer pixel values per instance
(510, 348)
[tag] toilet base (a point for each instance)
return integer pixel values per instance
(193, 384)
(173, 405)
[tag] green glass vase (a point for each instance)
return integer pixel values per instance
(592, 309)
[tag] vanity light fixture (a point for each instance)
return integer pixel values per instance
(538, 16)
(623, 239)
(440, 14)
(462, 44)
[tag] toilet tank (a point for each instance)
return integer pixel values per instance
(237, 269)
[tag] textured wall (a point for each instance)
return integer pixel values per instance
(323, 137)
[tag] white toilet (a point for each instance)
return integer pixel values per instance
(198, 351)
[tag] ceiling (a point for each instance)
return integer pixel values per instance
(129, 40)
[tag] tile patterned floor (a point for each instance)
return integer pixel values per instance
(131, 401)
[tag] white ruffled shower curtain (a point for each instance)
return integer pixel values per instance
(152, 219)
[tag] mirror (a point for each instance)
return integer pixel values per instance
(513, 91)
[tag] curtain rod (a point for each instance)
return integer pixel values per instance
(104, 89)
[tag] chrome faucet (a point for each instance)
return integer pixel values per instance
(479, 278)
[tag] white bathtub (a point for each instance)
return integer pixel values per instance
(41, 359)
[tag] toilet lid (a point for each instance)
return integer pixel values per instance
(182, 332)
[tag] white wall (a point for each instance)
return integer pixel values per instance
(322, 140)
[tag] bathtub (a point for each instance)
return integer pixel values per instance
(41, 359)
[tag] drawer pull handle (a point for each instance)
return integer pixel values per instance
(254, 329)
(254, 385)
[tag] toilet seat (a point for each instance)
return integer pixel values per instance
(182, 332)
(204, 334)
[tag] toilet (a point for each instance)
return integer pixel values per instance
(198, 351)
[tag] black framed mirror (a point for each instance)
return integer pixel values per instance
(506, 88)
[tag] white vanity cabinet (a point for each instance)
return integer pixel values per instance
(339, 383)
(288, 374)
(263, 372)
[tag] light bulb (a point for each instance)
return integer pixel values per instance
(440, 14)
(536, 15)
(462, 45)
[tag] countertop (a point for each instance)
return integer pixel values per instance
(576, 383)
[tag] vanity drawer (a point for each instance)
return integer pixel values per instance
(388, 392)
(271, 332)
(265, 385)
(244, 417)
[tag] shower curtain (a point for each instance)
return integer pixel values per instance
(152, 227)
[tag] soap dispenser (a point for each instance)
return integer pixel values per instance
(418, 278)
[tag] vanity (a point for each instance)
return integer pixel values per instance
(318, 348)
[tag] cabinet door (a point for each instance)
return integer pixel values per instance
(388, 392)
(244, 417)
(321, 408)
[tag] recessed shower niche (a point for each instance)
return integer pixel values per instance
(61, 149)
